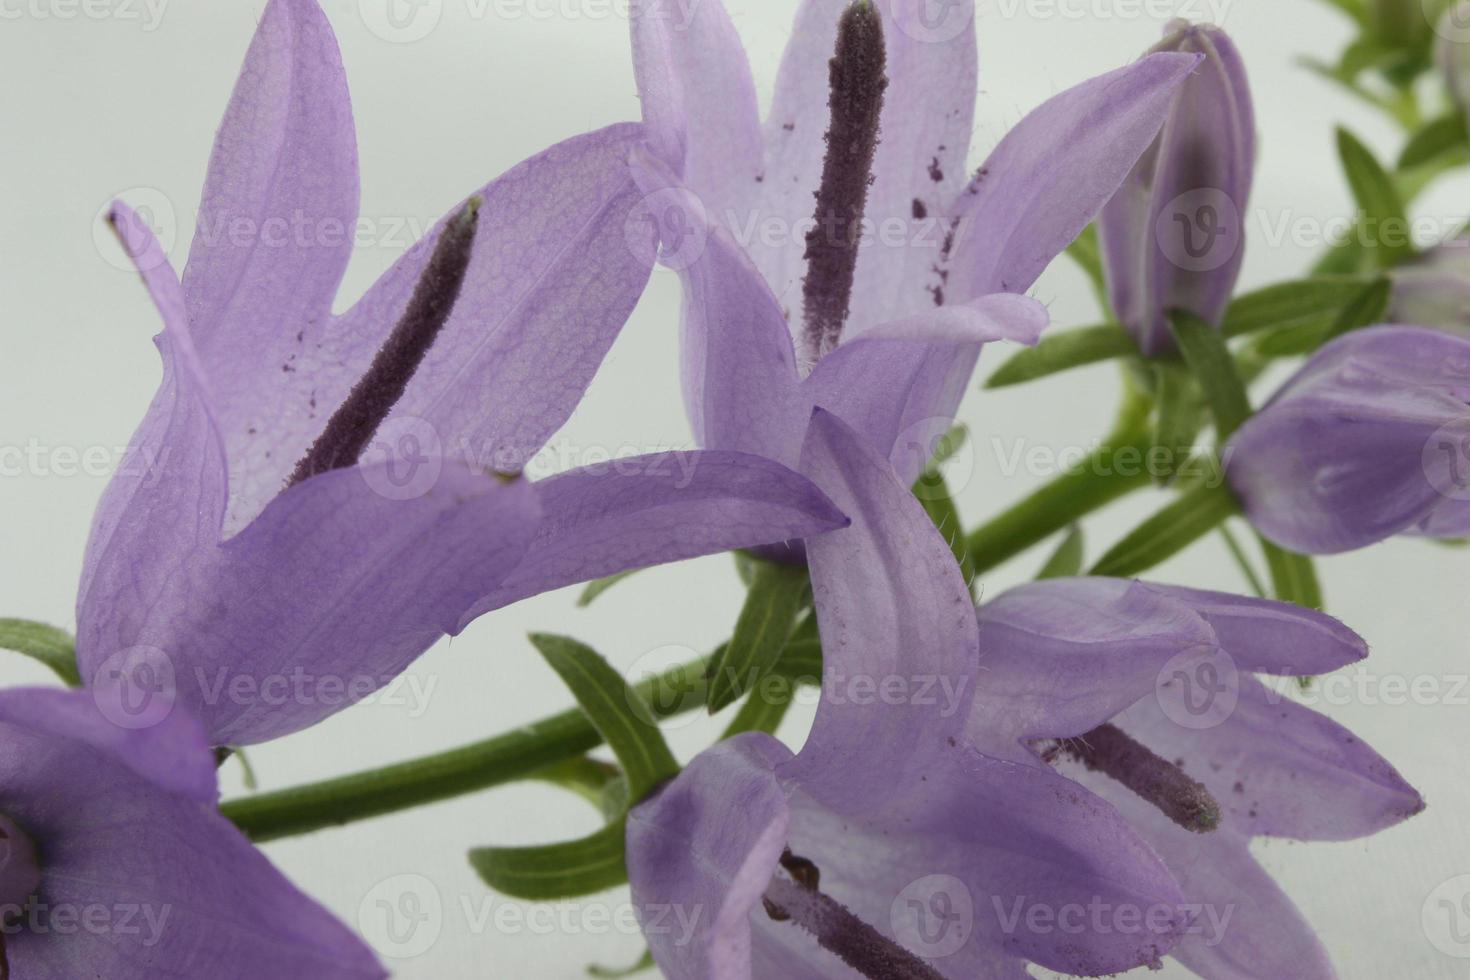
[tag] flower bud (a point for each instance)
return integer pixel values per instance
(1371, 438)
(1174, 235)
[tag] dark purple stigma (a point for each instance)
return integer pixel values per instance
(857, 79)
(352, 426)
(793, 896)
(1111, 751)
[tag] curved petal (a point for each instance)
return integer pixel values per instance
(1062, 656)
(163, 509)
(1245, 927)
(704, 849)
(177, 890)
(739, 365)
(554, 274)
(926, 122)
(1282, 770)
(328, 595)
(275, 224)
(1268, 637)
(899, 383)
(1054, 172)
(1358, 445)
(699, 99)
(894, 613)
(650, 510)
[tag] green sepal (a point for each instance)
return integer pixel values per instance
(51, 646)
(1178, 419)
(1367, 305)
(1213, 366)
(1378, 198)
(597, 587)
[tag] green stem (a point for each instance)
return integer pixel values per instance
(1113, 470)
(521, 754)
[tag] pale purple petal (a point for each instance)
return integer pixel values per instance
(554, 274)
(649, 510)
(739, 366)
(169, 491)
(1054, 171)
(698, 98)
(1363, 443)
(1062, 656)
(1268, 637)
(184, 894)
(329, 594)
(900, 383)
(924, 131)
(274, 235)
(1280, 769)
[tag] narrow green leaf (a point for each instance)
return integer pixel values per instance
(1301, 302)
(1213, 365)
(599, 586)
(1434, 139)
(950, 443)
(1353, 8)
(1379, 200)
(1066, 561)
(1062, 352)
(51, 646)
(778, 594)
(766, 707)
(645, 963)
(556, 871)
(616, 710)
(585, 776)
(1293, 576)
(1367, 305)
(1243, 561)
(1190, 517)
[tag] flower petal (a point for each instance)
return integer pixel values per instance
(698, 98)
(708, 842)
(275, 228)
(893, 611)
(1054, 171)
(739, 366)
(1345, 455)
(199, 900)
(552, 278)
(1280, 769)
(649, 510)
(1268, 637)
(899, 384)
(927, 117)
(169, 492)
(1062, 656)
(328, 595)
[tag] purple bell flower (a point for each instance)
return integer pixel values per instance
(888, 845)
(1371, 438)
(313, 499)
(875, 303)
(1174, 236)
(1145, 695)
(115, 861)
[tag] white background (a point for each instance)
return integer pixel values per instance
(115, 99)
